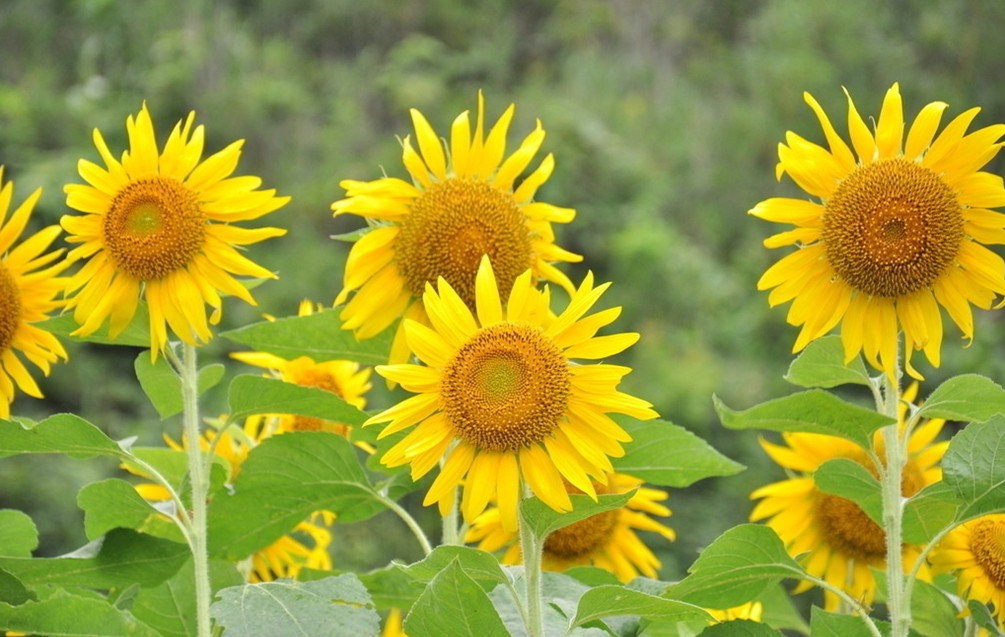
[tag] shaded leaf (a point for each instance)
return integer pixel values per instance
(969, 397)
(607, 601)
(18, 535)
(822, 364)
(169, 608)
(932, 613)
(928, 512)
(824, 624)
(110, 504)
(482, 567)
(63, 433)
(741, 628)
(664, 454)
(974, 466)
(251, 394)
(66, 615)
(852, 481)
(12, 590)
(454, 604)
(163, 386)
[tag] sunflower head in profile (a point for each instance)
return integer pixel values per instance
(463, 201)
(501, 401)
(899, 230)
(834, 538)
(607, 540)
(29, 285)
(975, 552)
(161, 225)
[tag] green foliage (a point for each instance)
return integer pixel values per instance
(163, 387)
(608, 601)
(453, 604)
(822, 364)
(740, 628)
(929, 511)
(824, 624)
(969, 397)
(63, 614)
(111, 504)
(849, 479)
(169, 607)
(664, 454)
(974, 466)
(251, 395)
(544, 520)
(64, 433)
(18, 535)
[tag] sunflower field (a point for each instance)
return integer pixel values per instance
(604, 318)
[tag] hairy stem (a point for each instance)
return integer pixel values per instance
(531, 547)
(893, 511)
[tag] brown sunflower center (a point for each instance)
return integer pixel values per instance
(987, 543)
(892, 228)
(154, 227)
(583, 538)
(321, 380)
(506, 388)
(448, 229)
(10, 308)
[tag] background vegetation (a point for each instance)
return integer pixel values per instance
(663, 116)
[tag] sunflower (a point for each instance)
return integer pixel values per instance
(29, 283)
(752, 611)
(975, 550)
(607, 540)
(460, 205)
(899, 231)
(159, 225)
(838, 541)
(306, 546)
(500, 398)
(343, 378)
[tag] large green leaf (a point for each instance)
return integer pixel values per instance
(283, 480)
(735, 568)
(12, 590)
(850, 480)
(824, 624)
(389, 587)
(974, 466)
(319, 336)
(163, 387)
(454, 604)
(337, 605)
(18, 535)
(969, 397)
(66, 615)
(932, 613)
(741, 628)
(544, 520)
(608, 601)
(63, 433)
(929, 511)
(813, 411)
(170, 607)
(482, 567)
(110, 504)
(260, 395)
(822, 364)
(667, 455)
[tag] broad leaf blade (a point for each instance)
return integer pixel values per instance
(664, 454)
(163, 387)
(929, 511)
(63, 433)
(974, 466)
(170, 607)
(544, 520)
(111, 504)
(66, 615)
(18, 535)
(482, 567)
(608, 601)
(259, 395)
(454, 604)
(969, 397)
(850, 480)
(822, 364)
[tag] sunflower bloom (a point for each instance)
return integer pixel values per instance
(501, 401)
(900, 230)
(752, 611)
(607, 540)
(306, 546)
(460, 204)
(975, 550)
(29, 283)
(159, 225)
(840, 542)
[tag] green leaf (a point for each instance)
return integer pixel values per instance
(260, 395)
(740, 628)
(482, 567)
(18, 535)
(544, 520)
(454, 604)
(824, 624)
(850, 480)
(974, 466)
(982, 617)
(595, 576)
(336, 605)
(735, 568)
(136, 334)
(62, 433)
(111, 504)
(932, 613)
(969, 397)
(125, 557)
(319, 336)
(664, 454)
(389, 587)
(12, 590)
(170, 607)
(813, 411)
(283, 480)
(66, 615)
(163, 387)
(822, 364)
(608, 601)
(928, 512)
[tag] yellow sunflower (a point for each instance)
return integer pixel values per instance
(345, 379)
(29, 283)
(899, 230)
(501, 400)
(752, 611)
(975, 550)
(461, 204)
(838, 542)
(306, 546)
(607, 540)
(159, 225)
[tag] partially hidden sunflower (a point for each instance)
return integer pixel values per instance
(346, 379)
(29, 285)
(607, 540)
(161, 226)
(900, 230)
(501, 401)
(975, 551)
(462, 202)
(306, 546)
(836, 540)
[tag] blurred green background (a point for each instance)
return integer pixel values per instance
(664, 118)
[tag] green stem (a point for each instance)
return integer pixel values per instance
(409, 521)
(450, 535)
(893, 511)
(531, 547)
(197, 476)
(846, 600)
(180, 517)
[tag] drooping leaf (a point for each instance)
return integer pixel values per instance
(813, 411)
(544, 520)
(251, 394)
(319, 336)
(974, 466)
(64, 614)
(454, 604)
(969, 397)
(110, 504)
(337, 605)
(63, 433)
(735, 568)
(850, 480)
(170, 608)
(607, 601)
(18, 535)
(822, 364)
(664, 454)
(163, 387)
(928, 512)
